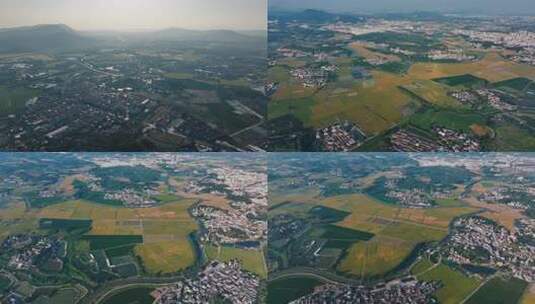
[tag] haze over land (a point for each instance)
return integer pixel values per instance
(136, 14)
(513, 7)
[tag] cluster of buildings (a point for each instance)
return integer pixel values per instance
(407, 141)
(465, 97)
(413, 198)
(495, 101)
(271, 88)
(244, 220)
(517, 195)
(25, 249)
(339, 137)
(131, 198)
(311, 77)
(447, 141)
(226, 282)
(456, 141)
(523, 42)
(407, 290)
(83, 101)
(229, 226)
(507, 39)
(380, 26)
(450, 55)
(479, 241)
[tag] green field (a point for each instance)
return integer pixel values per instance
(518, 84)
(448, 119)
(512, 138)
(340, 233)
(5, 282)
(456, 286)
(499, 291)
(13, 100)
(65, 224)
(65, 296)
(167, 198)
(252, 260)
(283, 291)
(137, 295)
(421, 266)
(466, 80)
(433, 93)
(111, 241)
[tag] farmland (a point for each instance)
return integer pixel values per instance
(80, 226)
(383, 81)
(456, 286)
(351, 219)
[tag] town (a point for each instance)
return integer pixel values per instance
(134, 98)
(225, 281)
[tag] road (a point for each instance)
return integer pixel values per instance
(326, 277)
(247, 129)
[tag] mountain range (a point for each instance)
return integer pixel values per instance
(60, 37)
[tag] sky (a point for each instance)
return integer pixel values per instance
(136, 14)
(520, 7)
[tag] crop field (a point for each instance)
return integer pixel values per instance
(397, 231)
(375, 257)
(97, 242)
(289, 289)
(14, 99)
(421, 266)
(136, 295)
(518, 84)
(529, 295)
(466, 81)
(252, 260)
(512, 138)
(5, 282)
(374, 105)
(456, 286)
(499, 291)
(433, 93)
(13, 220)
(64, 224)
(502, 214)
(166, 256)
(66, 296)
(459, 120)
(492, 68)
(345, 234)
(165, 229)
(378, 104)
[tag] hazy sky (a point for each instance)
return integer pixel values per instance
(469, 6)
(136, 14)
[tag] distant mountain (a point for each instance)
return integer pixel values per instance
(42, 38)
(179, 34)
(313, 16)
(59, 37)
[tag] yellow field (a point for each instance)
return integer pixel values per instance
(375, 257)
(252, 260)
(362, 49)
(529, 295)
(166, 257)
(165, 229)
(375, 105)
(379, 104)
(397, 231)
(433, 92)
(492, 68)
(456, 286)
